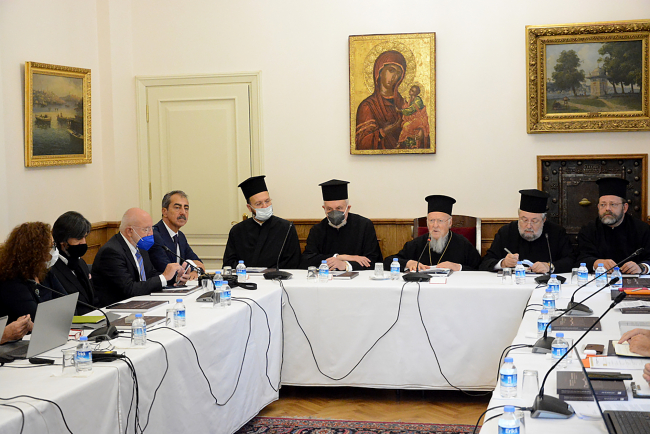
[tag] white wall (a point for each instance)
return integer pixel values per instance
(484, 154)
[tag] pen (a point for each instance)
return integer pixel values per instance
(507, 251)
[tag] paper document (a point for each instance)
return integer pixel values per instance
(622, 363)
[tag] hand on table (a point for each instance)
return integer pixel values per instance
(361, 260)
(607, 263)
(630, 267)
(639, 340)
(510, 261)
(540, 267)
(336, 263)
(415, 265)
(451, 265)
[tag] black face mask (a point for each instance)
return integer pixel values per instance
(336, 217)
(77, 251)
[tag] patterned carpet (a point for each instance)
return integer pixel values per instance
(280, 425)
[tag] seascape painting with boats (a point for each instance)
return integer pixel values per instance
(58, 115)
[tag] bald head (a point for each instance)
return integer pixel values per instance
(138, 221)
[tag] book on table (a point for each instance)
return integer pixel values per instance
(124, 323)
(137, 306)
(174, 290)
(572, 386)
(344, 274)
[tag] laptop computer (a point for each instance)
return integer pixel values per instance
(51, 328)
(3, 324)
(620, 421)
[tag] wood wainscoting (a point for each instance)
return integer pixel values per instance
(391, 233)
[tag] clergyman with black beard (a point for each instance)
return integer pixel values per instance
(614, 234)
(445, 248)
(525, 239)
(345, 240)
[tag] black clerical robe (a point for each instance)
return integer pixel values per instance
(259, 245)
(599, 241)
(356, 237)
(509, 238)
(459, 250)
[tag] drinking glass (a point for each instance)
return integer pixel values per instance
(379, 270)
(506, 278)
(574, 276)
(68, 361)
(529, 384)
(312, 274)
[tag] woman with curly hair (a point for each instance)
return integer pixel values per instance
(27, 254)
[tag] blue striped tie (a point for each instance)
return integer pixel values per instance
(138, 256)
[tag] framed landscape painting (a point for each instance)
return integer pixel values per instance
(588, 77)
(57, 115)
(393, 94)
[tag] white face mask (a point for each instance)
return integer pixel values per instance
(55, 257)
(263, 214)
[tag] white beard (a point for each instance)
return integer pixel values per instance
(439, 245)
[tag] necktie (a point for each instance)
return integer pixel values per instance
(176, 249)
(138, 256)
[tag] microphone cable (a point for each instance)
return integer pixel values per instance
(22, 413)
(501, 414)
(65, 422)
(311, 348)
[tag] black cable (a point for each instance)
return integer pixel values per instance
(159, 384)
(40, 399)
(493, 408)
(399, 307)
(22, 425)
(508, 349)
(530, 310)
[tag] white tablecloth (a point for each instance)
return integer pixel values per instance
(470, 319)
(524, 359)
(100, 403)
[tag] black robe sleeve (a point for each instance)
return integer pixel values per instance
(496, 251)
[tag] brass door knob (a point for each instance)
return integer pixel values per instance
(584, 202)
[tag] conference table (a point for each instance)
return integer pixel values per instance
(587, 418)
(100, 402)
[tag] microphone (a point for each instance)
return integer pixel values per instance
(546, 406)
(543, 344)
(105, 333)
(581, 309)
(545, 277)
(417, 276)
(277, 274)
(192, 266)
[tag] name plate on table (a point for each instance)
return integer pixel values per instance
(575, 324)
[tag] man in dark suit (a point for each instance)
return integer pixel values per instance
(167, 232)
(122, 268)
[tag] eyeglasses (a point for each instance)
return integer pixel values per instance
(610, 205)
(259, 204)
(438, 221)
(146, 230)
(524, 221)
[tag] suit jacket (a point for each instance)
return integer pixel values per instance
(18, 297)
(116, 276)
(159, 256)
(73, 283)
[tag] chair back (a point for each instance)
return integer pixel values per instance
(467, 226)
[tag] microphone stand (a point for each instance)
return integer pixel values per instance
(544, 278)
(277, 274)
(105, 333)
(581, 309)
(417, 276)
(543, 344)
(546, 406)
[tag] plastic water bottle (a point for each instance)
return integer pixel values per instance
(508, 379)
(601, 279)
(559, 347)
(83, 360)
(548, 300)
(542, 321)
(520, 273)
(216, 293)
(508, 422)
(241, 272)
(554, 284)
(583, 274)
(323, 272)
(394, 269)
(179, 313)
(619, 283)
(226, 295)
(138, 331)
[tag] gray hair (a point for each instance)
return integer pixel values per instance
(167, 199)
(347, 202)
(543, 214)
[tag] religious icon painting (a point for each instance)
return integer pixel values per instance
(393, 94)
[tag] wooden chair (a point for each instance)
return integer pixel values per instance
(467, 226)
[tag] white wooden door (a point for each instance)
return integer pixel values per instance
(199, 139)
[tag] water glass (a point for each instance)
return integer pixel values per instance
(574, 276)
(227, 271)
(169, 322)
(506, 277)
(68, 361)
(529, 384)
(206, 284)
(379, 270)
(312, 274)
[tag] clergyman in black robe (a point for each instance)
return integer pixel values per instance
(259, 241)
(614, 235)
(345, 240)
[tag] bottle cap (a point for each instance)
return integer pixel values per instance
(179, 300)
(520, 263)
(217, 272)
(241, 262)
(394, 259)
(323, 261)
(509, 408)
(616, 268)
(583, 264)
(138, 315)
(553, 276)
(83, 338)
(559, 335)
(508, 360)
(600, 265)
(544, 310)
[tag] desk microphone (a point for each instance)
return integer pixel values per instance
(105, 333)
(277, 274)
(543, 344)
(417, 276)
(546, 406)
(192, 266)
(544, 278)
(581, 309)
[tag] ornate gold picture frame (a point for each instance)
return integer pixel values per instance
(393, 94)
(57, 115)
(588, 77)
